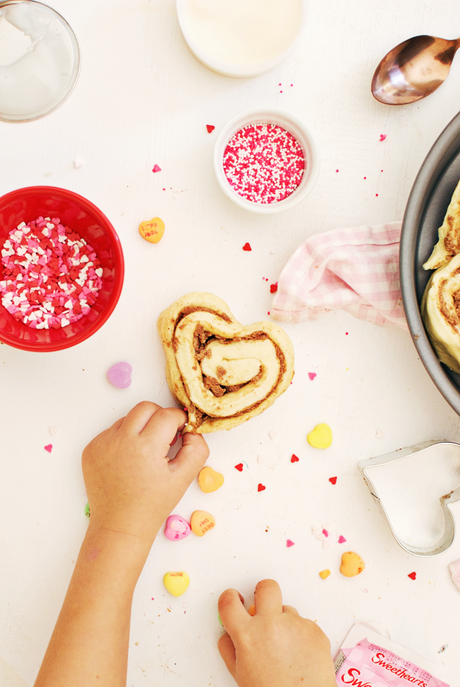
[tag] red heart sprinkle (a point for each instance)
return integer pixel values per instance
(239, 467)
(412, 576)
(156, 168)
(210, 128)
(247, 246)
(260, 487)
(383, 137)
(311, 375)
(274, 287)
(332, 480)
(294, 458)
(48, 447)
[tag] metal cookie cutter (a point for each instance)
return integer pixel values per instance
(448, 534)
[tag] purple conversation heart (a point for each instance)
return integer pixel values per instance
(120, 375)
(176, 528)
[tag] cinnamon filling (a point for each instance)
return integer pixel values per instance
(201, 340)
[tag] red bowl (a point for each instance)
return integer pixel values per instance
(74, 211)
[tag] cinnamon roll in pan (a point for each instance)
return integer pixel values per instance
(222, 372)
(440, 310)
(448, 243)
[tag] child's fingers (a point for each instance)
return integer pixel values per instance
(138, 417)
(162, 425)
(290, 610)
(227, 651)
(191, 457)
(232, 613)
(267, 597)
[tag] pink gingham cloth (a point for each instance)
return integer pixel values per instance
(355, 269)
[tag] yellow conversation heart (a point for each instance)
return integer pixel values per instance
(351, 564)
(176, 582)
(320, 437)
(153, 230)
(210, 480)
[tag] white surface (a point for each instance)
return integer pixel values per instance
(143, 99)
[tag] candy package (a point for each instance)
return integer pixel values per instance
(369, 664)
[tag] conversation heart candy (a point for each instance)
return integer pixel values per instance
(210, 480)
(201, 522)
(153, 230)
(176, 528)
(176, 582)
(351, 564)
(320, 436)
(120, 375)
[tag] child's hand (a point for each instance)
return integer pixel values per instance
(132, 487)
(276, 647)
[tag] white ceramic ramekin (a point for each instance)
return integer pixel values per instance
(254, 68)
(295, 127)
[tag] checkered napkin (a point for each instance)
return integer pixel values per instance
(355, 269)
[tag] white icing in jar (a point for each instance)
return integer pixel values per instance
(241, 37)
(39, 60)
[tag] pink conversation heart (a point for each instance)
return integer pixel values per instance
(120, 375)
(176, 528)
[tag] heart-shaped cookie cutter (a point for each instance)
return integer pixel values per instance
(448, 534)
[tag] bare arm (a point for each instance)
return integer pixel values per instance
(132, 487)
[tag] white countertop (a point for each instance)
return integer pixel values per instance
(143, 99)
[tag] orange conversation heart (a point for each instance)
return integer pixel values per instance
(153, 230)
(210, 480)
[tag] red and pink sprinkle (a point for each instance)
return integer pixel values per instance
(51, 277)
(264, 163)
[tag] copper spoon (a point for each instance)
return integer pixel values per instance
(413, 70)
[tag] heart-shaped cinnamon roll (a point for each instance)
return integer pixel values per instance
(222, 372)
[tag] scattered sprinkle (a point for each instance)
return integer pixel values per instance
(260, 487)
(239, 467)
(443, 648)
(379, 434)
(346, 333)
(412, 575)
(376, 195)
(247, 246)
(120, 375)
(325, 532)
(333, 480)
(383, 137)
(87, 510)
(48, 447)
(289, 543)
(263, 163)
(53, 430)
(336, 171)
(324, 573)
(341, 540)
(274, 287)
(210, 128)
(294, 458)
(272, 435)
(78, 163)
(312, 375)
(156, 168)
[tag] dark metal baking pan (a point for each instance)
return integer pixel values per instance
(426, 207)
